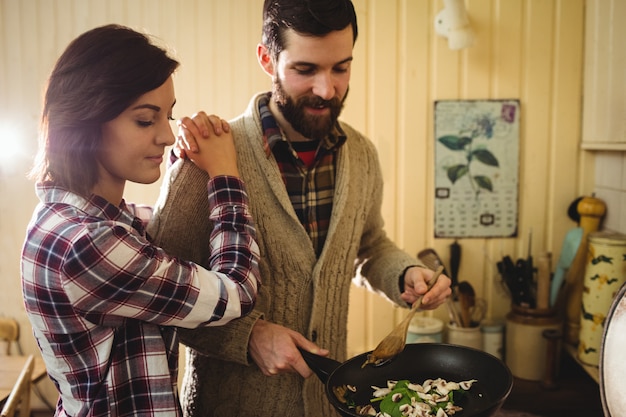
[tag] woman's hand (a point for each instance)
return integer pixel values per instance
(208, 142)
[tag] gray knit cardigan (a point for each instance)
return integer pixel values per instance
(299, 291)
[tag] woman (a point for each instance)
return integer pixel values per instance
(104, 302)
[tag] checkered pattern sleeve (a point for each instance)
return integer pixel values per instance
(99, 295)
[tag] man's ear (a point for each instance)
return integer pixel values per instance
(265, 59)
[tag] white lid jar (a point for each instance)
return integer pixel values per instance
(424, 330)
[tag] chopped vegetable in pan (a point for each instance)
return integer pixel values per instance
(435, 397)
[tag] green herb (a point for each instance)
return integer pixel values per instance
(407, 396)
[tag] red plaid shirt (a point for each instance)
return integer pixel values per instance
(310, 189)
(104, 302)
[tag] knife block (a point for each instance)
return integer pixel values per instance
(591, 211)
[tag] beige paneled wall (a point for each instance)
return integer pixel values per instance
(526, 49)
(531, 50)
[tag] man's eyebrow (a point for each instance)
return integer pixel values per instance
(311, 64)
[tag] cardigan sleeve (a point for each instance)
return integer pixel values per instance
(180, 226)
(380, 261)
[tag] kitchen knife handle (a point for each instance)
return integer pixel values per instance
(455, 262)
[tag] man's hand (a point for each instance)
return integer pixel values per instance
(415, 284)
(274, 349)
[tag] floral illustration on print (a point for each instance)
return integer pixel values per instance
(472, 141)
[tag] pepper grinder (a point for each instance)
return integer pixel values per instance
(591, 211)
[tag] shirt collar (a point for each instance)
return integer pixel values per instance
(273, 135)
(96, 206)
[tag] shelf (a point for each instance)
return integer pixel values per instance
(603, 146)
(593, 371)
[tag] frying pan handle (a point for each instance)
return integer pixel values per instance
(321, 365)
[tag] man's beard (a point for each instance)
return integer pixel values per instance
(309, 126)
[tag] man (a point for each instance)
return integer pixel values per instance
(315, 188)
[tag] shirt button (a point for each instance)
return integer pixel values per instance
(314, 336)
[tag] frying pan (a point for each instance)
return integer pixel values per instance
(612, 365)
(418, 362)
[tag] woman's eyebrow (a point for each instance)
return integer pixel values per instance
(147, 106)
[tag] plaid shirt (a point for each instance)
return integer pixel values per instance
(310, 189)
(104, 302)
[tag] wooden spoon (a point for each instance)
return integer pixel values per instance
(395, 341)
(430, 258)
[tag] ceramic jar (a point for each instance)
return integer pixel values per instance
(425, 330)
(493, 343)
(526, 347)
(465, 336)
(604, 275)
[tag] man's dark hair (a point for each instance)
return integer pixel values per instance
(307, 17)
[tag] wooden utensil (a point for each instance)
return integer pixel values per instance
(430, 258)
(544, 268)
(395, 341)
(467, 299)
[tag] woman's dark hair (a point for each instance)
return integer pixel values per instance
(100, 74)
(307, 17)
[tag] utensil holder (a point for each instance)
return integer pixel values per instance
(526, 348)
(465, 336)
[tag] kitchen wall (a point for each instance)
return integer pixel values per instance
(531, 50)
(604, 105)
(610, 187)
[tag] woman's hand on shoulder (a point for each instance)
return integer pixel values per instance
(207, 141)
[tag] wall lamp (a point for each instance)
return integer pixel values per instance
(453, 23)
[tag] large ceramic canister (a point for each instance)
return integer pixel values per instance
(604, 275)
(526, 348)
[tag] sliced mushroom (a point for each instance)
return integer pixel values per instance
(380, 392)
(367, 410)
(466, 385)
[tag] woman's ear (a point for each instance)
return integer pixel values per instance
(265, 59)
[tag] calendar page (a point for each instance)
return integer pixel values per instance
(477, 165)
